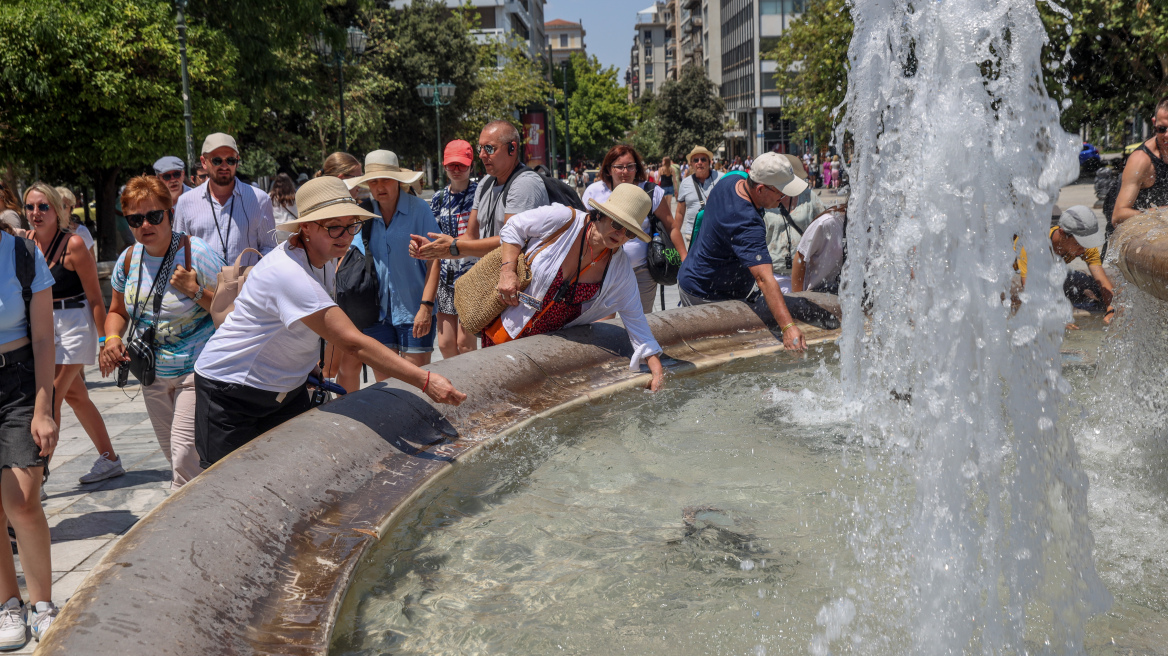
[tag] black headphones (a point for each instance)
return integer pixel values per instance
(510, 147)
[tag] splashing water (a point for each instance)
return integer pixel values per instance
(981, 544)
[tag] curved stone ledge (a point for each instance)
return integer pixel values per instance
(255, 555)
(1141, 243)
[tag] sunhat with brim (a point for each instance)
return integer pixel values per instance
(628, 205)
(384, 164)
(699, 150)
(1082, 224)
(323, 198)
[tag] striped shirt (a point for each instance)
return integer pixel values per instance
(244, 221)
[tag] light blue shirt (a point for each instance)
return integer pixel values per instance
(402, 278)
(245, 221)
(13, 321)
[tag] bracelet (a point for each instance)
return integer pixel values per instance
(784, 328)
(427, 383)
(430, 303)
(109, 337)
(506, 263)
(101, 340)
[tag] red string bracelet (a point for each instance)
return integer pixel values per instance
(427, 383)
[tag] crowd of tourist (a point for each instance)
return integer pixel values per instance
(353, 269)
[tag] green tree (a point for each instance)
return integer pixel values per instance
(645, 134)
(92, 89)
(600, 112)
(689, 112)
(811, 69)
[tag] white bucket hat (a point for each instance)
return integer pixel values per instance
(323, 198)
(628, 205)
(384, 164)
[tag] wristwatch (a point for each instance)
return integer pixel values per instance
(198, 295)
(454, 248)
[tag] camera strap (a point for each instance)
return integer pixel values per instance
(156, 288)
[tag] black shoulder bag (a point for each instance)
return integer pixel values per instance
(358, 292)
(663, 260)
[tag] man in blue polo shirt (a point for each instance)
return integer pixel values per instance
(729, 255)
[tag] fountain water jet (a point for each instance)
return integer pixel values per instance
(982, 544)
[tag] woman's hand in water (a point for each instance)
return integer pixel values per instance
(657, 383)
(441, 390)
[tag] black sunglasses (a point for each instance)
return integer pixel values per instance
(1161, 129)
(338, 230)
(153, 217)
(489, 149)
(44, 207)
(171, 175)
(231, 161)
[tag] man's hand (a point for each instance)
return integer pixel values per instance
(793, 339)
(185, 280)
(437, 247)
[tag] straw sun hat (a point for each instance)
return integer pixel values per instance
(628, 205)
(323, 198)
(384, 164)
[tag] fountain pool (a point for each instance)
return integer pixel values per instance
(713, 520)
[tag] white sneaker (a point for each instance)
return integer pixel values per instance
(103, 468)
(41, 617)
(12, 627)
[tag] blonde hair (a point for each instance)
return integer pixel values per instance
(54, 199)
(67, 197)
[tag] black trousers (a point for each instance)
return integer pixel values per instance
(229, 415)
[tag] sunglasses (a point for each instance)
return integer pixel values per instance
(171, 175)
(338, 230)
(231, 161)
(701, 160)
(44, 207)
(153, 217)
(457, 168)
(618, 228)
(489, 149)
(1161, 129)
(625, 168)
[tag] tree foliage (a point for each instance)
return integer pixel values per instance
(599, 111)
(645, 135)
(811, 58)
(689, 113)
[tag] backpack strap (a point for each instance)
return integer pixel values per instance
(24, 256)
(126, 255)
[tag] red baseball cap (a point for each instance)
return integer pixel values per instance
(458, 152)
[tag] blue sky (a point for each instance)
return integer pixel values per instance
(608, 26)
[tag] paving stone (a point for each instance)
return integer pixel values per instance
(68, 555)
(136, 500)
(68, 526)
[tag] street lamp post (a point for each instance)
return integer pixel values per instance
(551, 114)
(567, 125)
(355, 41)
(437, 95)
(181, 6)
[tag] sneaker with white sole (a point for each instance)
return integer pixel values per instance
(40, 618)
(103, 468)
(13, 630)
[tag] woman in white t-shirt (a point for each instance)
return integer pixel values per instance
(623, 165)
(283, 195)
(252, 374)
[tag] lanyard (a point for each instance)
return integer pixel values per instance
(230, 220)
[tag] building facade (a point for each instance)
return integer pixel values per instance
(517, 20)
(647, 65)
(563, 39)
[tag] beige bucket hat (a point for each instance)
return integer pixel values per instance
(628, 205)
(384, 164)
(323, 198)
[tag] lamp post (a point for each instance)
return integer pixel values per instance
(551, 114)
(437, 95)
(181, 22)
(355, 41)
(567, 125)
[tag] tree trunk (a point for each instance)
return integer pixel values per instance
(105, 190)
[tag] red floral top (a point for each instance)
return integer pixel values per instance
(557, 315)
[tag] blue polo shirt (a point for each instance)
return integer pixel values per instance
(731, 239)
(401, 277)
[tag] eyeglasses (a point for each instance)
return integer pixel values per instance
(457, 168)
(621, 229)
(171, 175)
(701, 160)
(489, 149)
(336, 231)
(1161, 129)
(231, 161)
(624, 167)
(199, 177)
(153, 217)
(44, 207)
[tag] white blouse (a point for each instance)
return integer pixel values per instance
(618, 292)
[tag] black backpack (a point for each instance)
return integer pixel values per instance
(662, 259)
(25, 265)
(358, 292)
(558, 191)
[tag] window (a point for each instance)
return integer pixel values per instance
(767, 44)
(648, 71)
(563, 40)
(648, 87)
(773, 7)
(648, 36)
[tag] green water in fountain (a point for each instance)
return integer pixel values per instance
(711, 519)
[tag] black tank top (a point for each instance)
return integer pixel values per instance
(1157, 194)
(666, 180)
(68, 283)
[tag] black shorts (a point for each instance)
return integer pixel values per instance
(17, 398)
(229, 415)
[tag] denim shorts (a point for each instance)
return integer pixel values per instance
(401, 338)
(17, 397)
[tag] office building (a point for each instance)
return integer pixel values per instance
(563, 39)
(647, 66)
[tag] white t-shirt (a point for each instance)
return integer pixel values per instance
(822, 248)
(637, 250)
(86, 236)
(263, 343)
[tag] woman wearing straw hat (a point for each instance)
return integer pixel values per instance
(408, 286)
(579, 274)
(252, 374)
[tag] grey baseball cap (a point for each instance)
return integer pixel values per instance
(1082, 224)
(218, 140)
(168, 163)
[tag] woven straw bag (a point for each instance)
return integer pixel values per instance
(476, 297)
(231, 279)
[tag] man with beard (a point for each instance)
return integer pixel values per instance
(223, 211)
